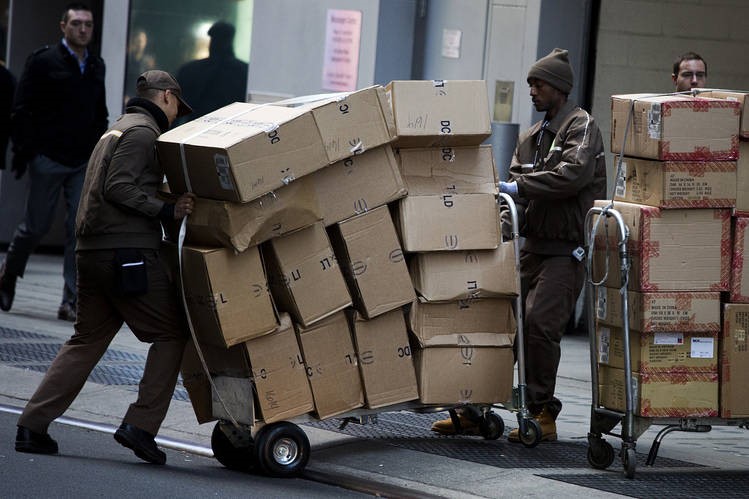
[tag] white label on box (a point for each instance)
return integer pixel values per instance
(604, 344)
(451, 43)
(621, 180)
(668, 339)
(654, 121)
(223, 171)
(601, 308)
(702, 348)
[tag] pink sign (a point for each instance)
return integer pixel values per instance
(342, 36)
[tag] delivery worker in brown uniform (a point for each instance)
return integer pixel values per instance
(121, 278)
(557, 171)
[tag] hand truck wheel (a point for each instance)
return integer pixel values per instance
(282, 449)
(491, 426)
(600, 454)
(233, 447)
(629, 461)
(531, 437)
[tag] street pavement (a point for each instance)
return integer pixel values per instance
(398, 456)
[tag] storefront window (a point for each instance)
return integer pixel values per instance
(206, 45)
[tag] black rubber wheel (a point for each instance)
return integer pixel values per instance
(282, 449)
(236, 452)
(601, 454)
(629, 460)
(491, 426)
(532, 435)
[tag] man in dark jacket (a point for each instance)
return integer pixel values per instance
(58, 115)
(121, 277)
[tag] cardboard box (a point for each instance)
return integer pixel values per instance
(241, 151)
(241, 225)
(669, 250)
(739, 278)
(440, 112)
(651, 312)
(742, 179)
(734, 361)
(372, 262)
(675, 127)
(331, 365)
(671, 351)
(355, 122)
(227, 295)
(733, 95)
(304, 276)
(664, 395)
(461, 275)
(385, 359)
(677, 184)
(281, 385)
(449, 170)
(357, 184)
(486, 315)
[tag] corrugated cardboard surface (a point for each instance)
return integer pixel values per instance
(666, 395)
(357, 184)
(372, 261)
(734, 361)
(738, 96)
(460, 275)
(304, 275)
(742, 179)
(449, 170)
(331, 366)
(677, 184)
(282, 387)
(669, 250)
(675, 127)
(487, 315)
(650, 312)
(385, 359)
(227, 295)
(241, 151)
(440, 112)
(739, 278)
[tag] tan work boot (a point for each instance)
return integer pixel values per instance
(467, 426)
(548, 428)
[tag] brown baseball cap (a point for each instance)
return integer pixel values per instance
(161, 80)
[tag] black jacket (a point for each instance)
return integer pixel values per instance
(59, 112)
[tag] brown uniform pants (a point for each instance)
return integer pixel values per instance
(550, 287)
(155, 317)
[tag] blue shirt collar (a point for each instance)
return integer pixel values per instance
(81, 64)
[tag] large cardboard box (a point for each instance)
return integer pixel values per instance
(331, 365)
(354, 122)
(650, 312)
(461, 275)
(357, 184)
(281, 386)
(304, 276)
(241, 225)
(742, 179)
(658, 351)
(440, 112)
(372, 261)
(385, 359)
(241, 151)
(739, 278)
(227, 295)
(734, 361)
(662, 395)
(677, 184)
(486, 315)
(669, 250)
(733, 95)
(675, 127)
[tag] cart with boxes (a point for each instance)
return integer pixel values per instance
(344, 258)
(667, 313)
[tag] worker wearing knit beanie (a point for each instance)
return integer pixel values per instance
(554, 69)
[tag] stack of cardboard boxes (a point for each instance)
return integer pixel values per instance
(676, 191)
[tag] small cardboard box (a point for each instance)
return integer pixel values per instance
(675, 127)
(372, 261)
(734, 361)
(304, 276)
(669, 250)
(241, 225)
(227, 295)
(486, 315)
(658, 351)
(281, 385)
(241, 151)
(739, 278)
(651, 312)
(461, 275)
(439, 112)
(742, 179)
(665, 395)
(385, 359)
(677, 184)
(733, 95)
(331, 365)
(357, 184)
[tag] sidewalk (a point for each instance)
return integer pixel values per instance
(399, 451)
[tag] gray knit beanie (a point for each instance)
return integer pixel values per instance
(554, 69)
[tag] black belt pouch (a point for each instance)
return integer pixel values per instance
(131, 277)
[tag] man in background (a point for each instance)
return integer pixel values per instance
(690, 71)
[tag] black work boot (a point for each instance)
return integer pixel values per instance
(141, 442)
(7, 289)
(33, 442)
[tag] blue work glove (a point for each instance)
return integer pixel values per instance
(510, 188)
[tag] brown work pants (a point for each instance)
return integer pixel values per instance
(550, 287)
(155, 317)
